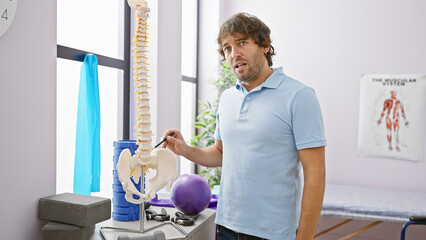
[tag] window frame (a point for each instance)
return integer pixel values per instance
(195, 79)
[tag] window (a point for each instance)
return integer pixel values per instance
(97, 29)
(188, 107)
(101, 28)
(189, 76)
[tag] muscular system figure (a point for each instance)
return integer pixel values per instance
(393, 108)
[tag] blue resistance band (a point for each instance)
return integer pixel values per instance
(87, 146)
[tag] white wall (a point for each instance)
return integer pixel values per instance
(208, 58)
(328, 45)
(28, 117)
(168, 66)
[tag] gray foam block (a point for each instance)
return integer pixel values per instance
(75, 209)
(56, 231)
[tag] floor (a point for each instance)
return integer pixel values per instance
(383, 231)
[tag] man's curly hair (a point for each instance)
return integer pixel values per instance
(249, 26)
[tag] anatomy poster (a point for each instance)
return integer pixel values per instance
(392, 116)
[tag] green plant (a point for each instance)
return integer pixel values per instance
(226, 79)
(206, 122)
(212, 175)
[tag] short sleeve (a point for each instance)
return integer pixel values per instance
(217, 130)
(307, 121)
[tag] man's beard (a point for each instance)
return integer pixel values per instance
(252, 72)
(253, 68)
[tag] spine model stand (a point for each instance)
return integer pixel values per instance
(163, 161)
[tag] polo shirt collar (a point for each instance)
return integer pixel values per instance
(272, 81)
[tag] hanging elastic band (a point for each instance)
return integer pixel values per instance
(87, 146)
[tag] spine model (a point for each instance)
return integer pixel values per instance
(163, 161)
(140, 76)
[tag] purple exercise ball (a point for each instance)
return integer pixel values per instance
(191, 194)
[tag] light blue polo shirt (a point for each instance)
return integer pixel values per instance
(261, 132)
